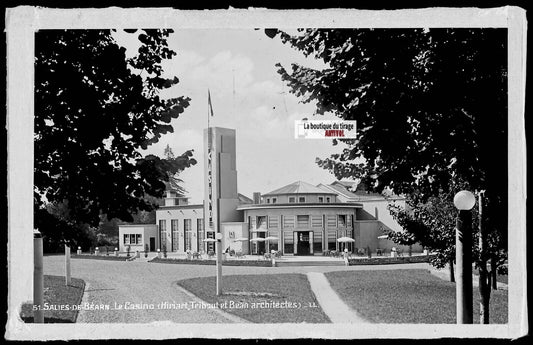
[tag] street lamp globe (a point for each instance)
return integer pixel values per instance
(464, 200)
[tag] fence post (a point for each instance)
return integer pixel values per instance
(67, 264)
(38, 284)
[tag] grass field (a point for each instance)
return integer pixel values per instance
(58, 296)
(247, 292)
(407, 296)
(501, 278)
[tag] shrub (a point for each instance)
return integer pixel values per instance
(128, 249)
(164, 251)
(146, 248)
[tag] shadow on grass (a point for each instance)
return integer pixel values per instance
(60, 301)
(408, 296)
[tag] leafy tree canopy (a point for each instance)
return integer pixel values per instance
(430, 105)
(95, 111)
(430, 222)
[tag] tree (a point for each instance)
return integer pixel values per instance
(430, 222)
(95, 111)
(430, 105)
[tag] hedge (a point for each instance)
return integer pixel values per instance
(260, 263)
(389, 260)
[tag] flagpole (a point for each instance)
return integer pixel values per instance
(208, 110)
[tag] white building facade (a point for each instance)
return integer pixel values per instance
(297, 219)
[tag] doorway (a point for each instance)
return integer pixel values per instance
(303, 243)
(152, 244)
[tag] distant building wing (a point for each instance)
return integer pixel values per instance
(243, 199)
(298, 187)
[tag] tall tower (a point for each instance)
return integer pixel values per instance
(220, 181)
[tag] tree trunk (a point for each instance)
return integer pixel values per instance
(484, 293)
(452, 274)
(484, 286)
(493, 273)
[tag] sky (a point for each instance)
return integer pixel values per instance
(238, 67)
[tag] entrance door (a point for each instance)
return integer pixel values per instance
(152, 244)
(303, 246)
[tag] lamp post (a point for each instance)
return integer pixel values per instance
(464, 201)
(219, 262)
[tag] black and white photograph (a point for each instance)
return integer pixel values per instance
(234, 173)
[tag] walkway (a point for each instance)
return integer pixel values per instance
(130, 289)
(332, 305)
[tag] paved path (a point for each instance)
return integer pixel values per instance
(332, 305)
(142, 284)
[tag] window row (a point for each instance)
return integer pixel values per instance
(187, 234)
(133, 239)
(187, 224)
(300, 221)
(301, 199)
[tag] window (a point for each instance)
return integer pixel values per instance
(292, 200)
(187, 228)
(163, 234)
(175, 234)
(210, 245)
(200, 233)
(274, 200)
(342, 220)
(328, 199)
(132, 239)
(261, 222)
(301, 199)
(268, 200)
(320, 199)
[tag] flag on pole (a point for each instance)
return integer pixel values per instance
(209, 102)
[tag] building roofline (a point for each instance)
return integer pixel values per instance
(178, 207)
(347, 194)
(297, 205)
(299, 193)
(381, 199)
(135, 225)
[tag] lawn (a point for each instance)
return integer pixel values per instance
(272, 298)
(500, 278)
(57, 296)
(407, 296)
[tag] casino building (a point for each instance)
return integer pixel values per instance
(297, 219)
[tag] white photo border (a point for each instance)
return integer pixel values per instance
(23, 22)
